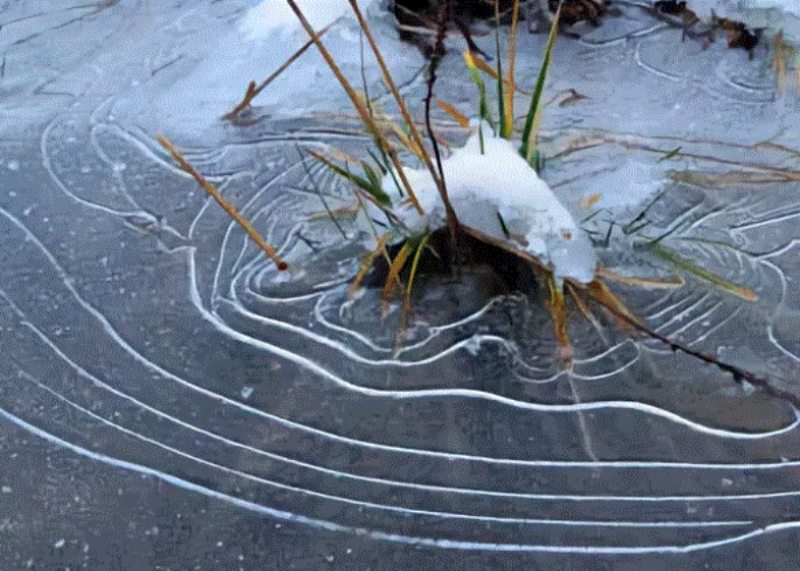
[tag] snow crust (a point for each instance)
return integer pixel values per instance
(494, 183)
(272, 15)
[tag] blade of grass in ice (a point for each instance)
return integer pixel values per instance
(364, 114)
(688, 266)
(319, 193)
(461, 119)
(644, 283)
(725, 179)
(226, 206)
(406, 311)
(378, 163)
(640, 221)
(673, 153)
(371, 186)
(394, 270)
(531, 130)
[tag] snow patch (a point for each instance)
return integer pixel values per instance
(494, 190)
(273, 15)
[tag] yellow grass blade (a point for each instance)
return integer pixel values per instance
(415, 264)
(367, 263)
(363, 112)
(226, 206)
(590, 201)
(394, 270)
(558, 311)
(461, 119)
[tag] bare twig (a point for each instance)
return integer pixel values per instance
(253, 90)
(363, 112)
(436, 57)
(737, 373)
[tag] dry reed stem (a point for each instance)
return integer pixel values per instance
(226, 206)
(253, 90)
(364, 114)
(387, 78)
(438, 175)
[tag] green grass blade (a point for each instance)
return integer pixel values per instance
(415, 264)
(534, 117)
(483, 105)
(371, 187)
(680, 263)
(501, 98)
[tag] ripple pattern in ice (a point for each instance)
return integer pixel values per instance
(179, 351)
(140, 329)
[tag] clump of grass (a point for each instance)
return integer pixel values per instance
(386, 161)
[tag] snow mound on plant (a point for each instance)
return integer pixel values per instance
(494, 190)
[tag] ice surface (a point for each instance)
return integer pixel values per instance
(490, 185)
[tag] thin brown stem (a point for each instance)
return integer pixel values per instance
(363, 112)
(253, 90)
(229, 208)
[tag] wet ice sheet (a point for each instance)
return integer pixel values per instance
(142, 331)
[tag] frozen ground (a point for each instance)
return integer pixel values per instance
(169, 400)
